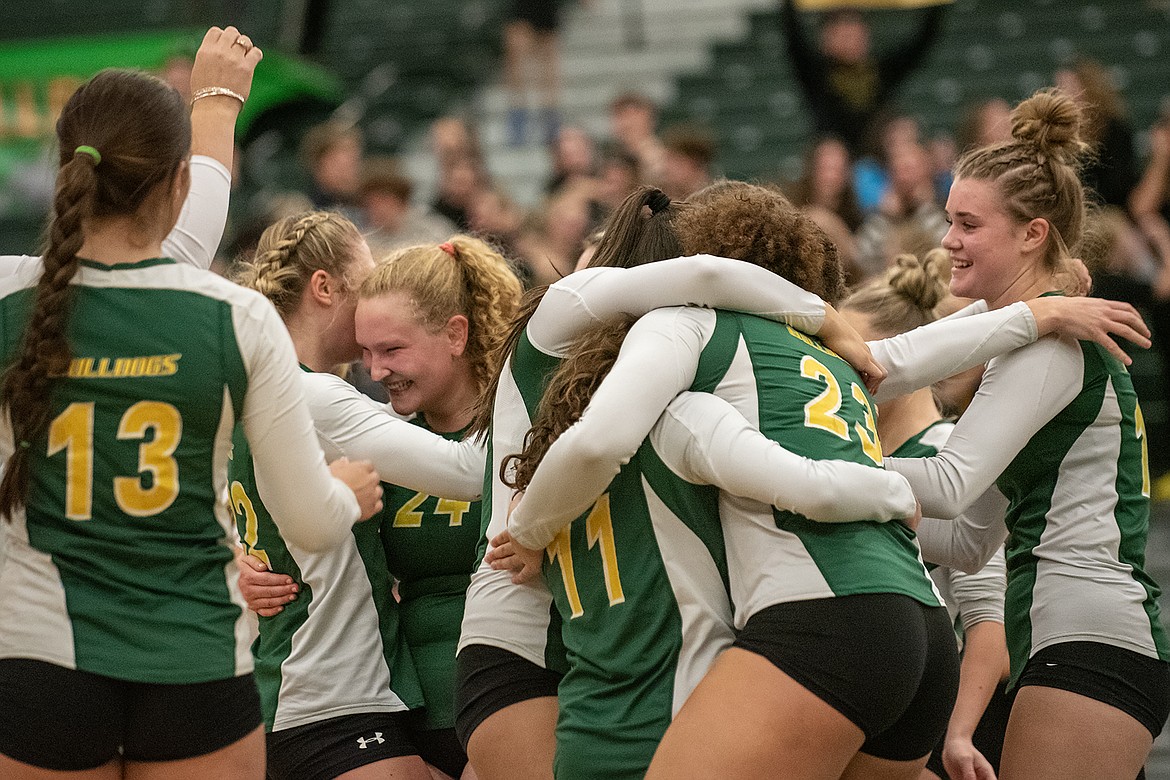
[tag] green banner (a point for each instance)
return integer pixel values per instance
(38, 76)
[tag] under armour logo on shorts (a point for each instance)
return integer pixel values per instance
(363, 742)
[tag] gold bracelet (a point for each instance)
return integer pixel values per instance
(212, 91)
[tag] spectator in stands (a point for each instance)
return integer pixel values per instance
(390, 218)
(984, 123)
(909, 218)
(531, 40)
(871, 177)
(826, 181)
(844, 84)
(574, 160)
(460, 181)
(633, 119)
(551, 240)
(332, 154)
(1112, 173)
(1149, 203)
(618, 176)
(686, 165)
(497, 219)
(453, 138)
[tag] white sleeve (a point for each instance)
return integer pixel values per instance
(197, 234)
(967, 542)
(1021, 392)
(657, 361)
(313, 510)
(352, 425)
(596, 294)
(925, 355)
(706, 441)
(979, 597)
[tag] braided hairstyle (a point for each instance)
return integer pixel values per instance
(141, 128)
(1037, 173)
(907, 295)
(471, 279)
(292, 249)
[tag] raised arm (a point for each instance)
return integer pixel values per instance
(351, 425)
(218, 63)
(1020, 393)
(313, 510)
(656, 363)
(707, 441)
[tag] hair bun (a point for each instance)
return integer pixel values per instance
(1051, 120)
(922, 282)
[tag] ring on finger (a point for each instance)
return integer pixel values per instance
(243, 42)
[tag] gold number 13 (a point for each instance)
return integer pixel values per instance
(72, 431)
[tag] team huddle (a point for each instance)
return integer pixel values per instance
(693, 511)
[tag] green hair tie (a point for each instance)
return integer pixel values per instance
(94, 153)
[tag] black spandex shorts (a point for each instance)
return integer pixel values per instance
(69, 720)
(883, 660)
(543, 15)
(1136, 684)
(988, 736)
(488, 679)
(438, 747)
(329, 748)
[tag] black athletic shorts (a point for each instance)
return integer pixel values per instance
(543, 15)
(438, 747)
(69, 720)
(1136, 684)
(488, 679)
(988, 736)
(329, 748)
(883, 660)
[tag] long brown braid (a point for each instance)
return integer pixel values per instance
(141, 128)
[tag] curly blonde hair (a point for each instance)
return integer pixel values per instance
(472, 279)
(759, 225)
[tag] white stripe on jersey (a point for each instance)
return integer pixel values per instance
(698, 590)
(1083, 592)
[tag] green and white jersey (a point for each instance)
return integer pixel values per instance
(338, 649)
(430, 547)
(121, 563)
(1057, 426)
(519, 618)
(971, 598)
(498, 613)
(796, 393)
(640, 585)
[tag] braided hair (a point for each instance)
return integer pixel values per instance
(291, 250)
(141, 131)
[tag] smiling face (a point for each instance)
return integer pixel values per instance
(419, 366)
(991, 252)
